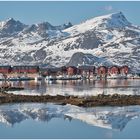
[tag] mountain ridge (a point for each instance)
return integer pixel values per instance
(111, 37)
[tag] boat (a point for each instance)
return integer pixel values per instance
(51, 78)
(116, 76)
(20, 78)
(38, 78)
(133, 76)
(11, 88)
(69, 78)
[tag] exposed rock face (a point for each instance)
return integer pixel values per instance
(11, 27)
(80, 58)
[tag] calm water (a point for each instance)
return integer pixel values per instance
(56, 121)
(83, 88)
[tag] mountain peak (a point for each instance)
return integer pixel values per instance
(119, 16)
(11, 26)
(10, 19)
(116, 14)
(114, 20)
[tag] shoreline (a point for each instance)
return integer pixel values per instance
(90, 101)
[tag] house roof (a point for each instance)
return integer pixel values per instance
(71, 67)
(26, 66)
(86, 67)
(5, 66)
(102, 67)
(50, 69)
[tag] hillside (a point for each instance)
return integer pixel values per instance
(104, 40)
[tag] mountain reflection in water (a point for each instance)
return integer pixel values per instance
(105, 117)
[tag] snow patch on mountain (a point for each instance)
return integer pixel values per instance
(115, 20)
(111, 38)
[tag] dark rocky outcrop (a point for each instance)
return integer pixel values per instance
(100, 100)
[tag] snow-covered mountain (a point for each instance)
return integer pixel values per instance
(105, 117)
(10, 27)
(104, 40)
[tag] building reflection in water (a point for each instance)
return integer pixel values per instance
(79, 87)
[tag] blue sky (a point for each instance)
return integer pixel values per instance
(59, 12)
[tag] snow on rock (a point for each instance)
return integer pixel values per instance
(80, 58)
(111, 38)
(115, 20)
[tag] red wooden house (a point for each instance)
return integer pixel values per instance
(50, 71)
(86, 70)
(63, 70)
(25, 69)
(102, 71)
(113, 70)
(124, 70)
(5, 69)
(71, 70)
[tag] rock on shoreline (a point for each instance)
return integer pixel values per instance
(100, 100)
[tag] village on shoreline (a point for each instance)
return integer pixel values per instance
(23, 73)
(83, 72)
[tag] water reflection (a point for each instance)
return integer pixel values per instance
(115, 118)
(81, 88)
